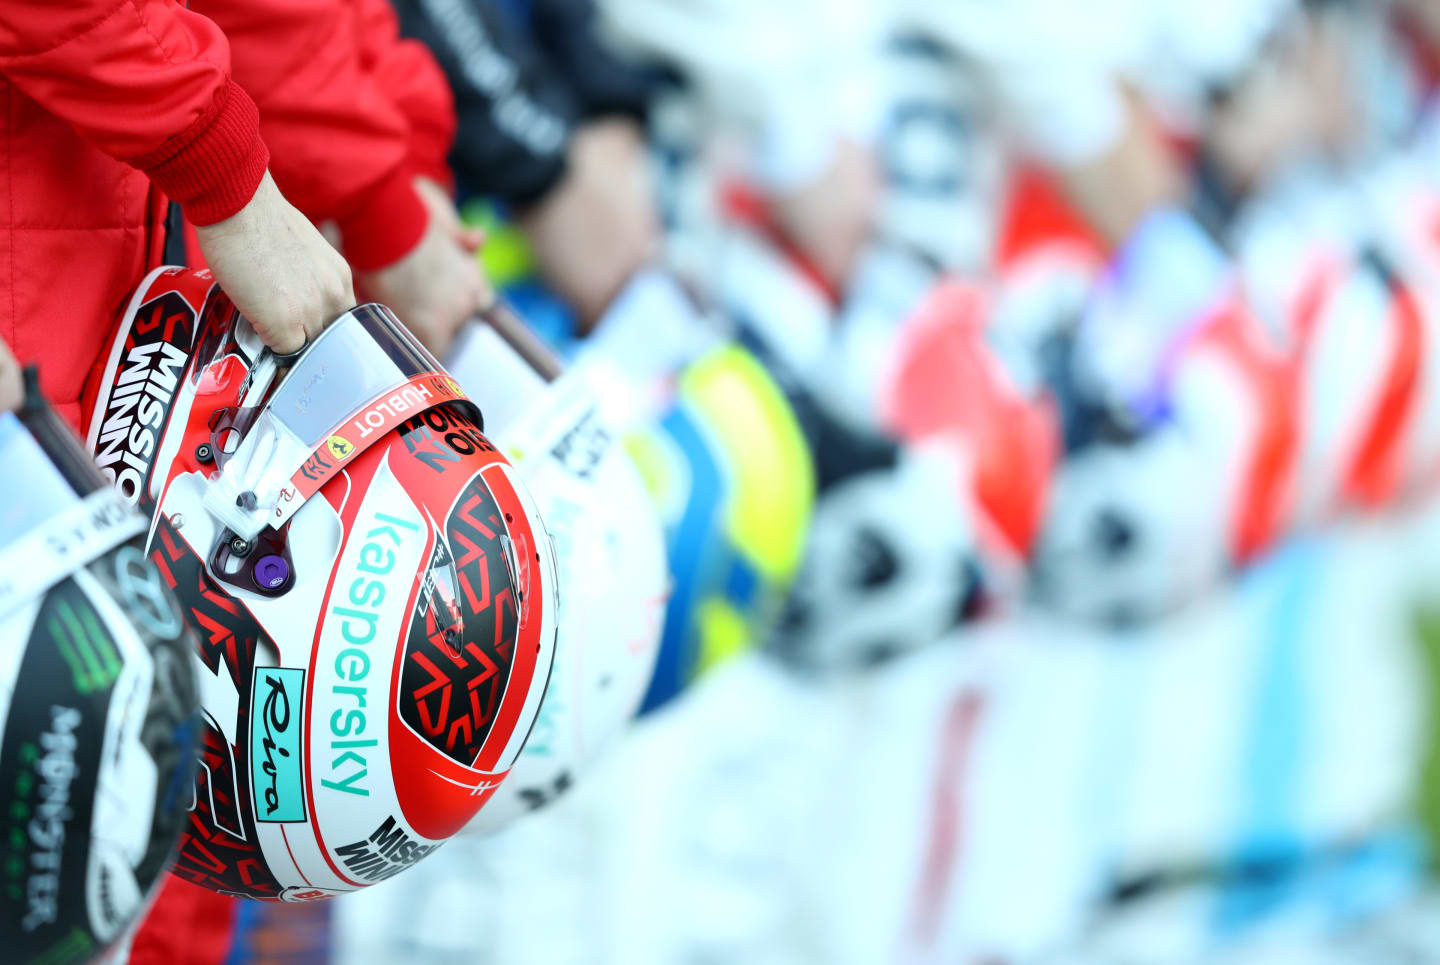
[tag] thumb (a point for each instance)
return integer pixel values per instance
(12, 389)
(471, 239)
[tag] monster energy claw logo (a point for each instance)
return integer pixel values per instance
(84, 644)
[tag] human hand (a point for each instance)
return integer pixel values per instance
(830, 218)
(442, 209)
(438, 286)
(1296, 101)
(278, 270)
(12, 384)
(598, 225)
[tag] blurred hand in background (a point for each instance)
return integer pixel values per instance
(438, 286)
(442, 209)
(1295, 101)
(12, 386)
(598, 224)
(830, 217)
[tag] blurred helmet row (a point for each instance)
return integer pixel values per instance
(317, 615)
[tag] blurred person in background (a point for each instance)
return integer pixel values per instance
(1121, 114)
(797, 83)
(1159, 120)
(551, 125)
(1050, 68)
(1268, 88)
(1212, 336)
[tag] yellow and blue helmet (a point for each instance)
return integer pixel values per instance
(733, 478)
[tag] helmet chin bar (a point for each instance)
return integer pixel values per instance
(299, 422)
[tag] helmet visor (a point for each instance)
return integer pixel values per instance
(362, 377)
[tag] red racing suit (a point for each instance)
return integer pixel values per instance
(351, 112)
(110, 107)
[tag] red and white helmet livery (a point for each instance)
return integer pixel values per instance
(565, 436)
(371, 586)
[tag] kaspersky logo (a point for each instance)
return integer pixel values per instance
(358, 616)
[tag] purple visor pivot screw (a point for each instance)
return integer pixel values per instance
(271, 572)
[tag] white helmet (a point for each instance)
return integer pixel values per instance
(371, 586)
(610, 554)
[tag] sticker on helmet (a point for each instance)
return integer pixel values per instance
(139, 389)
(450, 697)
(48, 759)
(375, 420)
(218, 849)
(277, 765)
(385, 853)
(340, 447)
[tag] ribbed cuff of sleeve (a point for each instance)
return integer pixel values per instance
(214, 168)
(429, 155)
(387, 225)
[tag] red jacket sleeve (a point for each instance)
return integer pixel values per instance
(416, 84)
(147, 82)
(340, 145)
(185, 924)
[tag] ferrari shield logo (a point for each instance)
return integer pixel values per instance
(339, 447)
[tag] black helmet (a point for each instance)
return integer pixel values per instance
(98, 702)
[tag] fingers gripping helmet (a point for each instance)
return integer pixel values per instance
(98, 703)
(610, 553)
(371, 587)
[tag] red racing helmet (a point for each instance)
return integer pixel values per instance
(371, 586)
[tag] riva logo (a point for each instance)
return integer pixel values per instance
(277, 781)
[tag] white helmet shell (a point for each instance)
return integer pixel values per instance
(610, 557)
